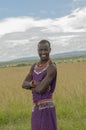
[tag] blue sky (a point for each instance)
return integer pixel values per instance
(24, 22)
(38, 8)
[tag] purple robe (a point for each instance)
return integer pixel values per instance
(43, 119)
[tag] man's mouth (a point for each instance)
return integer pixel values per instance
(43, 56)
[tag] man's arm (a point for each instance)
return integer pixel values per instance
(27, 83)
(43, 86)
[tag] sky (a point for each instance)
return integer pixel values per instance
(23, 23)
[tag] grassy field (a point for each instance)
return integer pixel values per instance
(69, 97)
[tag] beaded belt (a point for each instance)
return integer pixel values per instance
(47, 103)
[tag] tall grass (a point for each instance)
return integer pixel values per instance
(69, 97)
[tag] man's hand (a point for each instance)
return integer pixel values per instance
(33, 83)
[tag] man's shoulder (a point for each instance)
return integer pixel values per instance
(52, 66)
(52, 63)
(33, 65)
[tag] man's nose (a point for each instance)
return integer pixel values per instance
(43, 51)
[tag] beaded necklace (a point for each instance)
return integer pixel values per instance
(43, 65)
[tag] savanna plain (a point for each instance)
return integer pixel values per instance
(69, 97)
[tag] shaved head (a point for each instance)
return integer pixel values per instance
(44, 42)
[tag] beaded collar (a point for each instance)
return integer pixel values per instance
(38, 65)
(41, 68)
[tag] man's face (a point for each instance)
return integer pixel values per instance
(44, 51)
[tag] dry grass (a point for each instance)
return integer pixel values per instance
(69, 96)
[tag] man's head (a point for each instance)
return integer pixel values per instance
(44, 50)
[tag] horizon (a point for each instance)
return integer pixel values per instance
(57, 55)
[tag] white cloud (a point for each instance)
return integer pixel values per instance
(18, 24)
(19, 35)
(16, 42)
(64, 24)
(74, 22)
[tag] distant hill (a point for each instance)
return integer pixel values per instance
(59, 55)
(69, 54)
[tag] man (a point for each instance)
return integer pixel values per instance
(41, 81)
